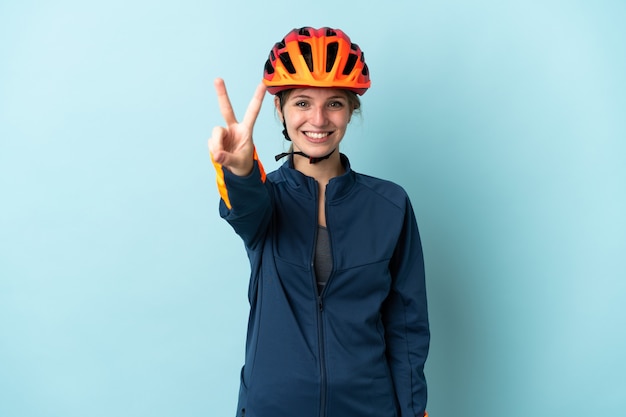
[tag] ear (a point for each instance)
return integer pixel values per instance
(279, 111)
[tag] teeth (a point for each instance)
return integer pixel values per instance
(316, 135)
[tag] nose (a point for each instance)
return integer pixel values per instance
(318, 118)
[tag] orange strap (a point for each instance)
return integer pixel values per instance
(221, 184)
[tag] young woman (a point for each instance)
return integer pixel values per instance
(338, 321)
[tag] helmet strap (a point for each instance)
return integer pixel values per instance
(312, 160)
(285, 134)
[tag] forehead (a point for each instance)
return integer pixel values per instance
(319, 93)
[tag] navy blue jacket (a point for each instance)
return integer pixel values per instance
(358, 348)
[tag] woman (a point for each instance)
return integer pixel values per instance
(338, 321)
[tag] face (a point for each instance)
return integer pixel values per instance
(316, 119)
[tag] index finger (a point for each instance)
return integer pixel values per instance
(254, 107)
(224, 102)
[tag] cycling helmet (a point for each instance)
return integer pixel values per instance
(309, 57)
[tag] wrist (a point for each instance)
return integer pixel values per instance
(242, 171)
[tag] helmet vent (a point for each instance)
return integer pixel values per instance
(269, 69)
(304, 32)
(330, 32)
(307, 54)
(352, 58)
(365, 71)
(331, 55)
(284, 57)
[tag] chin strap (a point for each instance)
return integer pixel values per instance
(311, 159)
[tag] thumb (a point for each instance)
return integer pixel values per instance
(225, 159)
(218, 157)
(216, 144)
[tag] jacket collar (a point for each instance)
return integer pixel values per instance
(337, 188)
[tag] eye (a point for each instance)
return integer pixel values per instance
(301, 103)
(336, 104)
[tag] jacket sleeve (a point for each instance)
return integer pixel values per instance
(245, 202)
(405, 317)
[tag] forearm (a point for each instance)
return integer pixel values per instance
(245, 201)
(408, 338)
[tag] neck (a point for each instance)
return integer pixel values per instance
(322, 171)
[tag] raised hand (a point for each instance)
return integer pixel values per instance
(232, 146)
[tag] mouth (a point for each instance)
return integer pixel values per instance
(317, 136)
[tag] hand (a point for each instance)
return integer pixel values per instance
(232, 146)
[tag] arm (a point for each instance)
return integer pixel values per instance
(245, 201)
(405, 317)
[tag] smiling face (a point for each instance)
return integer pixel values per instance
(316, 118)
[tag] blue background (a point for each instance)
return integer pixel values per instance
(122, 292)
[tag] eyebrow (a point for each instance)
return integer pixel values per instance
(310, 98)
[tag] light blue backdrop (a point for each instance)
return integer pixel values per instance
(122, 292)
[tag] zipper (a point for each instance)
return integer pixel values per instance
(320, 311)
(320, 335)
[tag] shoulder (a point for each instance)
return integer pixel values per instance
(275, 176)
(279, 175)
(385, 189)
